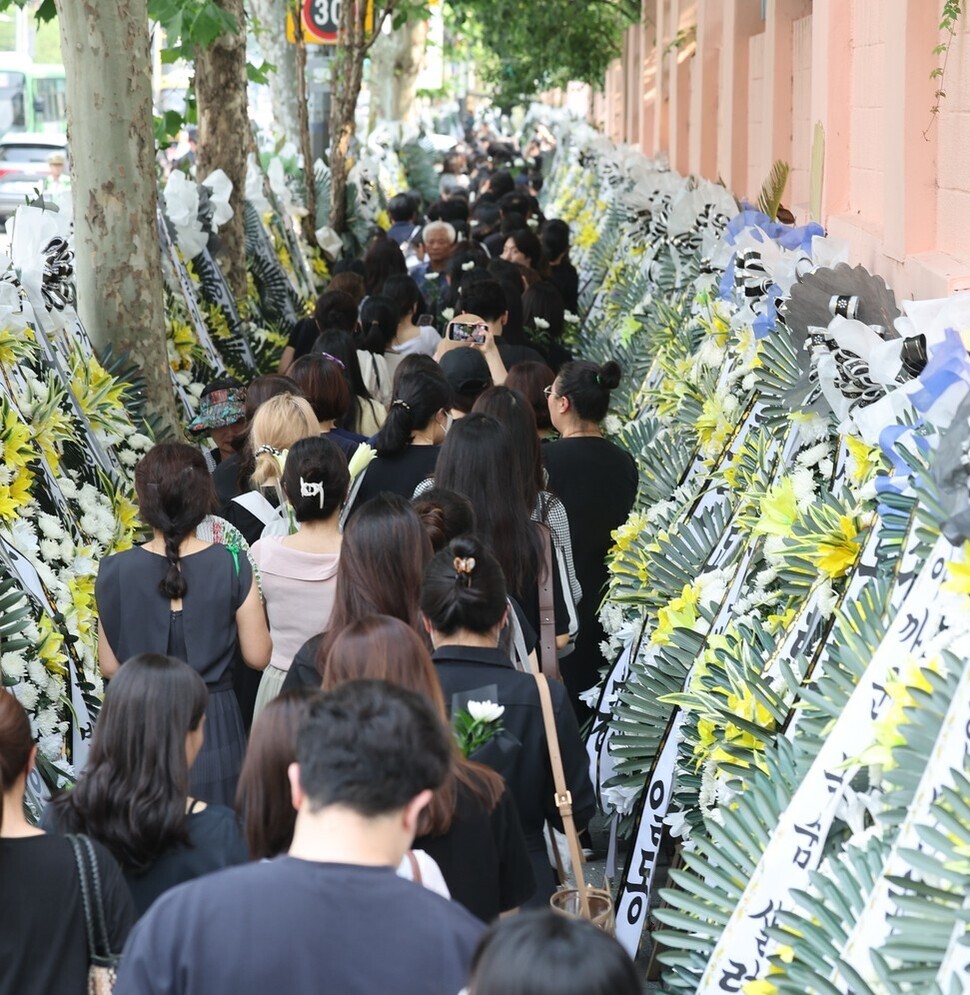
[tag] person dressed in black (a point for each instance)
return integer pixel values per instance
(463, 603)
(43, 939)
(597, 482)
(487, 300)
(331, 915)
(133, 794)
(471, 828)
(554, 236)
(409, 440)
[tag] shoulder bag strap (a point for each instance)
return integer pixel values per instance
(104, 954)
(549, 658)
(564, 798)
(82, 872)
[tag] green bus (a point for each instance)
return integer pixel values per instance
(33, 97)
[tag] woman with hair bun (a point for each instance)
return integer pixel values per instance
(378, 323)
(299, 571)
(409, 440)
(463, 605)
(133, 795)
(43, 940)
(186, 598)
(597, 482)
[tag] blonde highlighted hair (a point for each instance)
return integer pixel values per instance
(277, 424)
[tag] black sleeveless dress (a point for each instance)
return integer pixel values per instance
(137, 618)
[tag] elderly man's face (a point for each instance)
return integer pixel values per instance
(439, 248)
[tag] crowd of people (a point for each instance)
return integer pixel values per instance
(408, 520)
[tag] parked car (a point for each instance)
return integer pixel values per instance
(24, 167)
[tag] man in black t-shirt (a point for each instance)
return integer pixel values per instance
(331, 916)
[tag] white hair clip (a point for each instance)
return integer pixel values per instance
(310, 487)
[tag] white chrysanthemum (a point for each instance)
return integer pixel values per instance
(22, 535)
(6, 472)
(826, 467)
(37, 673)
(68, 487)
(749, 381)
(68, 549)
(812, 455)
(485, 711)
(51, 746)
(50, 550)
(541, 324)
(827, 598)
(13, 666)
(50, 526)
(448, 313)
(611, 617)
(431, 275)
(803, 485)
(128, 457)
(591, 696)
(27, 694)
(141, 442)
(46, 722)
(813, 427)
(712, 586)
(570, 318)
(612, 425)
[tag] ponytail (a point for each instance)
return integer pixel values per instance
(418, 398)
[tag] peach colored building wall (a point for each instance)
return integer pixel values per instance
(723, 88)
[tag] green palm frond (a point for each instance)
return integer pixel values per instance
(716, 869)
(639, 716)
(773, 189)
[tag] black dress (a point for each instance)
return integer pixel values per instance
(137, 618)
(597, 483)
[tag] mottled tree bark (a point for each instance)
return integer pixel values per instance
(109, 123)
(220, 85)
(395, 65)
(270, 18)
(353, 42)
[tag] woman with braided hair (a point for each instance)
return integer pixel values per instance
(186, 598)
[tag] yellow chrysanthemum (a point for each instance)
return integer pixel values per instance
(50, 646)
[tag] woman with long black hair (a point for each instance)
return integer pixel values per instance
(480, 460)
(190, 599)
(133, 795)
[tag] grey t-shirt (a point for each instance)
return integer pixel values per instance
(297, 926)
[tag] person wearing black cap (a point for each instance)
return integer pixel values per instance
(467, 372)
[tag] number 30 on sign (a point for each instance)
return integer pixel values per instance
(320, 18)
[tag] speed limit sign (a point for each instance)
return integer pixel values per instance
(319, 20)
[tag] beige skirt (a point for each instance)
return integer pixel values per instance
(269, 688)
